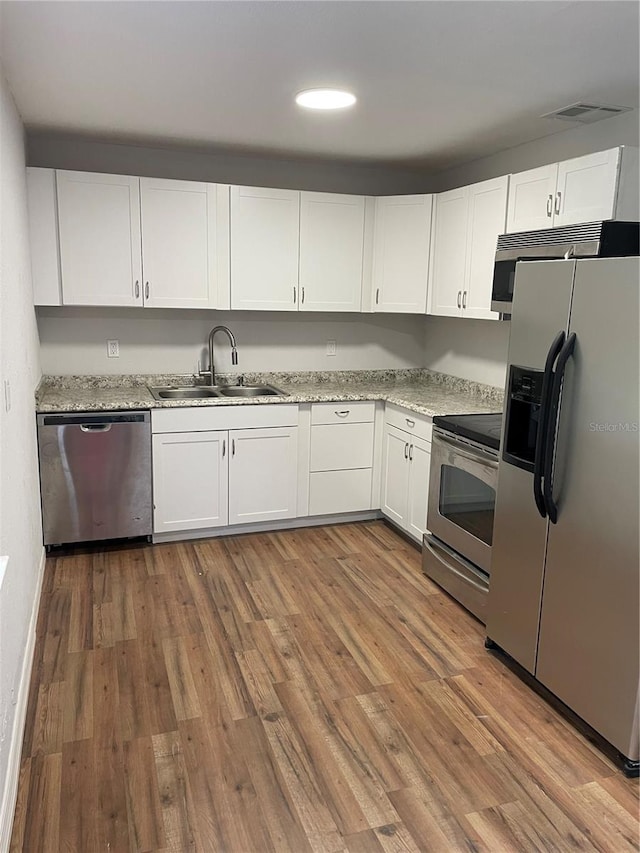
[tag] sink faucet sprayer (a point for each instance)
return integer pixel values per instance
(234, 353)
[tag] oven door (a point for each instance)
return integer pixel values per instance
(462, 496)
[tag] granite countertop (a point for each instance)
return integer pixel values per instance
(419, 390)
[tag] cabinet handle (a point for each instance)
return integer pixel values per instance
(303, 295)
(343, 414)
(558, 202)
(411, 453)
(406, 450)
(549, 205)
(377, 295)
(459, 299)
(233, 447)
(464, 299)
(410, 423)
(294, 295)
(224, 447)
(146, 290)
(137, 290)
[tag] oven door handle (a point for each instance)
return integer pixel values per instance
(479, 457)
(440, 551)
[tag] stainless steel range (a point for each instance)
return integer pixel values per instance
(456, 551)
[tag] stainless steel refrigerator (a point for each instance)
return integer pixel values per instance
(564, 590)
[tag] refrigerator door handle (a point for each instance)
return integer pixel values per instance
(543, 426)
(550, 443)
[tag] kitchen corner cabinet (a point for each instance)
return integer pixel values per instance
(584, 189)
(406, 463)
(128, 241)
(401, 241)
(467, 222)
(214, 468)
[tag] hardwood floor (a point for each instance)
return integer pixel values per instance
(300, 691)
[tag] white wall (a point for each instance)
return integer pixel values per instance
(472, 349)
(74, 340)
(573, 142)
(20, 531)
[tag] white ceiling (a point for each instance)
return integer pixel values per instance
(438, 83)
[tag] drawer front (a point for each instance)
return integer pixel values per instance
(410, 422)
(338, 447)
(339, 491)
(342, 413)
(217, 417)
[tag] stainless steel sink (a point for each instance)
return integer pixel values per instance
(189, 393)
(251, 391)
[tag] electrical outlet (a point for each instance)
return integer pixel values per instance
(331, 347)
(113, 349)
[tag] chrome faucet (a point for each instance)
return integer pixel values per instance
(234, 352)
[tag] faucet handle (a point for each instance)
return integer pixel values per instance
(241, 380)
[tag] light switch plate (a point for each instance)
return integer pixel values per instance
(331, 347)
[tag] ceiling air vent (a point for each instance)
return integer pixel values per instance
(586, 113)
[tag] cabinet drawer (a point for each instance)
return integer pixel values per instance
(341, 413)
(337, 447)
(339, 491)
(198, 418)
(410, 422)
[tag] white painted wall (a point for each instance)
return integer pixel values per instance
(472, 349)
(74, 340)
(572, 142)
(20, 530)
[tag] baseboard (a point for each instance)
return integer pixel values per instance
(268, 526)
(19, 720)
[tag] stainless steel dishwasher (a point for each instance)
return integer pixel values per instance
(95, 476)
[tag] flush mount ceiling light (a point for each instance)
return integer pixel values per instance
(325, 99)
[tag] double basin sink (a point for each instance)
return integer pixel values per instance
(204, 392)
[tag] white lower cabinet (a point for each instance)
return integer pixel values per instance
(263, 473)
(406, 460)
(190, 476)
(205, 478)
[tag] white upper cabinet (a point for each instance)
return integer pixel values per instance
(586, 189)
(331, 251)
(184, 244)
(448, 263)
(467, 223)
(486, 221)
(100, 254)
(43, 236)
(531, 197)
(264, 249)
(401, 242)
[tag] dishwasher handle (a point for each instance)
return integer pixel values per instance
(95, 427)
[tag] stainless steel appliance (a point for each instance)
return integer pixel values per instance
(456, 551)
(565, 563)
(590, 240)
(95, 476)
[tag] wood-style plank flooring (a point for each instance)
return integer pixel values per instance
(300, 691)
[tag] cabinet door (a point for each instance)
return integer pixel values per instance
(331, 246)
(531, 196)
(190, 481)
(419, 467)
(263, 472)
(402, 236)
(586, 188)
(180, 244)
(100, 249)
(265, 226)
(449, 252)
(487, 215)
(43, 236)
(395, 475)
